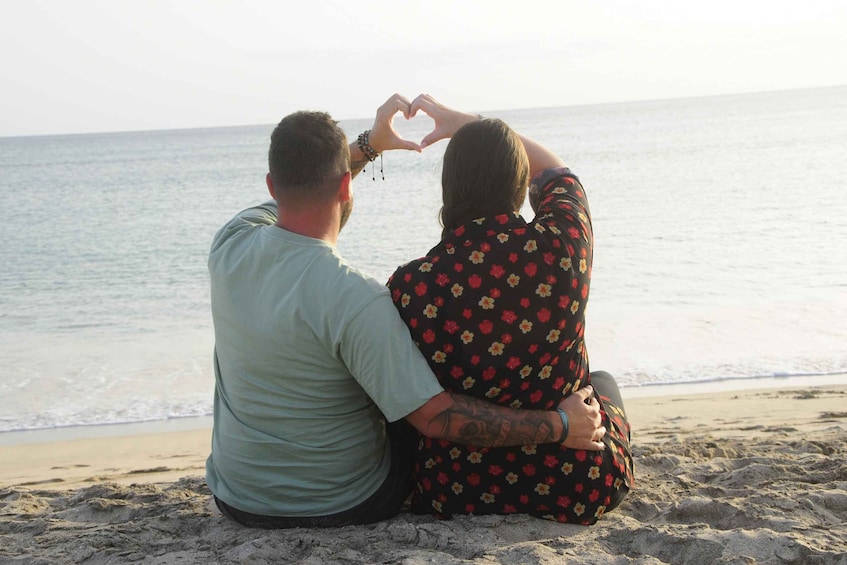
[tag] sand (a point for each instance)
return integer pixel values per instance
(756, 476)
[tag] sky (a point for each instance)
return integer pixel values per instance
(105, 65)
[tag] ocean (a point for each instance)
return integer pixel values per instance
(720, 225)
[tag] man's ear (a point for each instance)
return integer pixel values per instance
(270, 184)
(345, 189)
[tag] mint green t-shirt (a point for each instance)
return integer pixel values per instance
(308, 353)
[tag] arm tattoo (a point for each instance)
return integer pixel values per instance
(478, 422)
(357, 166)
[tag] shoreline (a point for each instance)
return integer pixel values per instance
(744, 476)
(188, 423)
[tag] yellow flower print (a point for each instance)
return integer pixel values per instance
(583, 265)
(553, 336)
(600, 511)
(455, 453)
(496, 348)
(528, 449)
(439, 357)
(487, 497)
(618, 483)
(511, 478)
(475, 457)
(486, 302)
(583, 217)
(579, 509)
(525, 326)
(515, 404)
(541, 488)
(544, 290)
(545, 372)
(479, 221)
(558, 190)
(513, 280)
(468, 383)
(594, 473)
(457, 290)
(530, 246)
(565, 263)
(425, 267)
(502, 237)
(492, 392)
(431, 311)
(451, 250)
(574, 306)
(437, 505)
(404, 300)
(540, 228)
(526, 370)
(567, 468)
(457, 488)
(430, 463)
(555, 230)
(477, 257)
(466, 337)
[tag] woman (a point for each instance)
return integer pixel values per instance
(498, 309)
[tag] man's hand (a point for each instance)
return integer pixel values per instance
(447, 121)
(586, 428)
(383, 136)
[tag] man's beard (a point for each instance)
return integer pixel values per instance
(345, 213)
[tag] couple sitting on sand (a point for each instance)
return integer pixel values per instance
(327, 412)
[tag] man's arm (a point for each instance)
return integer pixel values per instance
(468, 420)
(382, 136)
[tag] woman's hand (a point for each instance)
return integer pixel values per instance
(586, 425)
(447, 121)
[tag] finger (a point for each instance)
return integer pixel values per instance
(585, 392)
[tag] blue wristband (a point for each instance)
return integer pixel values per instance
(565, 425)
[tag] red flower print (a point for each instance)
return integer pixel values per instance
(535, 396)
(448, 348)
(458, 267)
(506, 338)
(467, 313)
(513, 257)
(486, 327)
(513, 363)
(579, 487)
(510, 457)
(528, 470)
(563, 501)
(509, 509)
(494, 293)
(459, 231)
(497, 271)
(473, 479)
(420, 288)
(485, 247)
(543, 315)
(407, 277)
(549, 258)
(457, 372)
(584, 291)
(530, 269)
(508, 316)
(502, 218)
(519, 231)
(439, 301)
(475, 281)
(573, 232)
(550, 461)
(442, 478)
(524, 499)
(595, 494)
(564, 300)
(469, 508)
(525, 302)
(475, 360)
(495, 470)
(581, 455)
(429, 336)
(395, 294)
(489, 373)
(442, 279)
(450, 327)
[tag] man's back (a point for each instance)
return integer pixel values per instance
(296, 432)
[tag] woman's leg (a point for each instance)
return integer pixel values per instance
(605, 385)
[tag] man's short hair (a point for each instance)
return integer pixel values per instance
(308, 155)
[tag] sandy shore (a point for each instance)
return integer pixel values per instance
(756, 476)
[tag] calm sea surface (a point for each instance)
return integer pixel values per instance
(720, 224)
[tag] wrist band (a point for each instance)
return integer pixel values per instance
(565, 424)
(365, 147)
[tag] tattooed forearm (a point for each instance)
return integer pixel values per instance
(477, 422)
(357, 166)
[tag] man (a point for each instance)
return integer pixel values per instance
(311, 357)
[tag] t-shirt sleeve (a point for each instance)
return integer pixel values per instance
(380, 354)
(261, 215)
(561, 206)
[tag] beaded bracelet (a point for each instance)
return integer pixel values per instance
(365, 147)
(565, 424)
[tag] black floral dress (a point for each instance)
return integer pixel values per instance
(498, 309)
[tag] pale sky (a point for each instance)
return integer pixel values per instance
(72, 66)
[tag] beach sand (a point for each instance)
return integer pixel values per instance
(754, 476)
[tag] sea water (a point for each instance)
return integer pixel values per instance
(720, 254)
